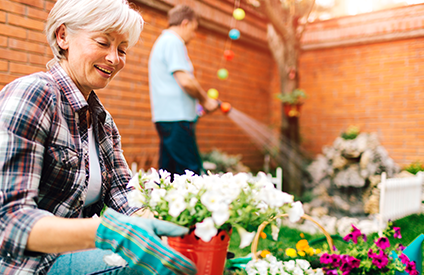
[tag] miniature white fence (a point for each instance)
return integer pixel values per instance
(278, 179)
(399, 197)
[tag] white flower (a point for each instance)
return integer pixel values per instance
(114, 260)
(136, 198)
(151, 179)
(212, 200)
(221, 215)
(245, 237)
(319, 272)
(303, 264)
(289, 265)
(297, 271)
(156, 196)
(177, 206)
(296, 211)
(165, 175)
(274, 232)
(206, 230)
(134, 182)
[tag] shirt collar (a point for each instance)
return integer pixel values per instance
(74, 95)
(174, 33)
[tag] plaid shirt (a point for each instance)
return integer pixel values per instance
(42, 169)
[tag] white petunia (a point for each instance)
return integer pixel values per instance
(289, 265)
(114, 260)
(136, 199)
(296, 211)
(176, 207)
(303, 264)
(274, 232)
(212, 200)
(134, 182)
(246, 238)
(221, 215)
(156, 196)
(165, 175)
(206, 230)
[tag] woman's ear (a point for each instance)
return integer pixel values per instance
(62, 38)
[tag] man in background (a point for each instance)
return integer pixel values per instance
(174, 93)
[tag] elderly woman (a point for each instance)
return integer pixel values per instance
(61, 159)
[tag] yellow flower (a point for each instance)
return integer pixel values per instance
(264, 253)
(263, 235)
(291, 252)
(310, 251)
(302, 245)
(317, 251)
(302, 235)
(301, 253)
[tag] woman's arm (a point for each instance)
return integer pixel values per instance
(56, 235)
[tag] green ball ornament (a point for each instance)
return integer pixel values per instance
(239, 14)
(222, 74)
(213, 93)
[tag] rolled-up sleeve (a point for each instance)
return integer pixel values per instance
(25, 117)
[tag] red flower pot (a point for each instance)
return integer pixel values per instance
(209, 257)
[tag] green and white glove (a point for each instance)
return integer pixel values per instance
(136, 240)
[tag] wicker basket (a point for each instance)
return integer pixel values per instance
(255, 242)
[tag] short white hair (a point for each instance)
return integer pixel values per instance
(92, 15)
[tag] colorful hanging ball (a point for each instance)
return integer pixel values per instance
(239, 14)
(228, 55)
(222, 74)
(234, 34)
(213, 93)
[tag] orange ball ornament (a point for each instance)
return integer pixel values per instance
(225, 107)
(228, 55)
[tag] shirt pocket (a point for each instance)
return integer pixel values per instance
(61, 168)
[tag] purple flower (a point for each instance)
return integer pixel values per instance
(335, 260)
(383, 243)
(353, 235)
(325, 258)
(400, 247)
(349, 263)
(380, 260)
(330, 271)
(397, 233)
(404, 259)
(411, 268)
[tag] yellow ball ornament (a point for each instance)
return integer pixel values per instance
(239, 14)
(213, 93)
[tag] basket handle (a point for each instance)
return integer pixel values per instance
(255, 242)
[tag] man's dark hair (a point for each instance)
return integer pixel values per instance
(177, 14)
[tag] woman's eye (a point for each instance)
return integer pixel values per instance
(122, 52)
(102, 43)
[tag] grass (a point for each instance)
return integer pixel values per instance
(411, 227)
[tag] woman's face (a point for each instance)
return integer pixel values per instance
(93, 58)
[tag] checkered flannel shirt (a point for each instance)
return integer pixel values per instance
(42, 171)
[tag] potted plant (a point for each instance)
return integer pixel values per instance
(292, 102)
(211, 206)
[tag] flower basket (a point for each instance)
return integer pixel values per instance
(255, 241)
(209, 257)
(270, 263)
(292, 110)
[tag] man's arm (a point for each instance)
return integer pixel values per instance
(192, 87)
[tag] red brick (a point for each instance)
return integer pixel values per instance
(3, 41)
(12, 31)
(12, 7)
(6, 78)
(25, 69)
(13, 55)
(4, 66)
(22, 21)
(37, 13)
(27, 46)
(37, 36)
(34, 3)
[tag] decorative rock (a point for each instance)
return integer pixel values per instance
(349, 177)
(344, 225)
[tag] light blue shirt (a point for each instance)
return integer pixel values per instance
(168, 101)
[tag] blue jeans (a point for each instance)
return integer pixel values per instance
(178, 147)
(88, 262)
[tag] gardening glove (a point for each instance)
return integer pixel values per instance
(136, 240)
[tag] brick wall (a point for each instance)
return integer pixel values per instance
(23, 50)
(366, 70)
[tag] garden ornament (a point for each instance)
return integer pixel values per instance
(414, 253)
(135, 238)
(222, 74)
(239, 14)
(234, 34)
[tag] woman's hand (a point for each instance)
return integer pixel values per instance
(136, 240)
